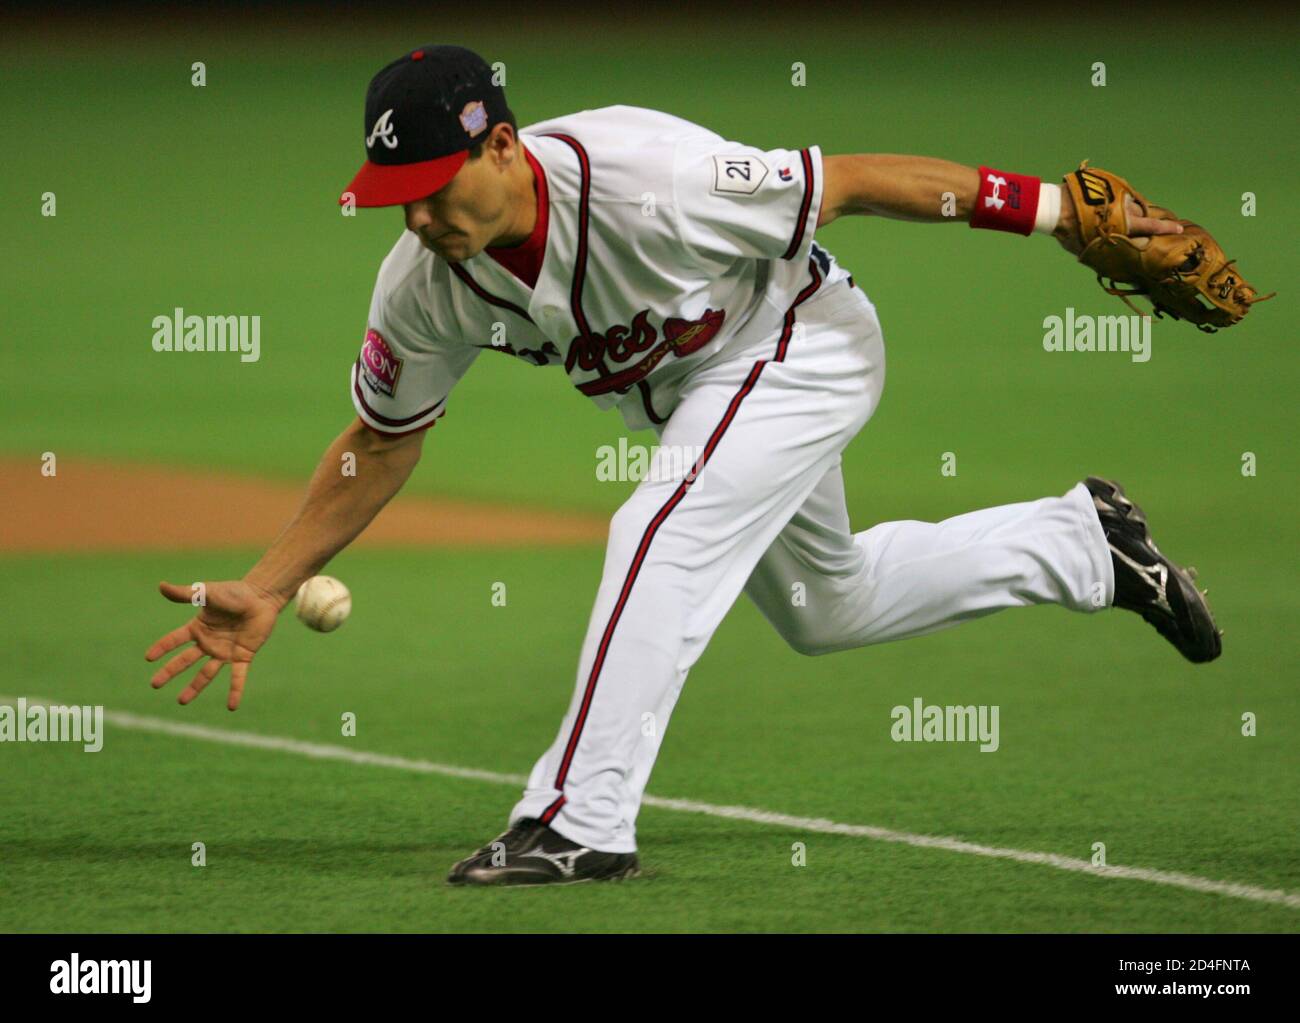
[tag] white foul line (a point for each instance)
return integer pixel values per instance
(322, 751)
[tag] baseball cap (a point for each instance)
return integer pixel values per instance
(424, 112)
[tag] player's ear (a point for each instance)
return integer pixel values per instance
(502, 143)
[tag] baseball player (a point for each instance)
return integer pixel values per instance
(676, 276)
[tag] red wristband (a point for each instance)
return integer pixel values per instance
(1006, 202)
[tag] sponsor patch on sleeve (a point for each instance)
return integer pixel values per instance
(738, 175)
(379, 366)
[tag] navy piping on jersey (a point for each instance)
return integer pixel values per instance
(580, 259)
(638, 559)
(801, 224)
(485, 295)
(644, 389)
(584, 215)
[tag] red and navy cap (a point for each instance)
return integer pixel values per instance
(424, 112)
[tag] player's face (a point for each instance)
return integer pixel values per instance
(460, 220)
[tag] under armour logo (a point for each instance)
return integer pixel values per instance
(995, 200)
(383, 130)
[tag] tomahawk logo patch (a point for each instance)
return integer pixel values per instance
(737, 175)
(380, 367)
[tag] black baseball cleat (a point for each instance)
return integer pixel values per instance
(1147, 582)
(530, 853)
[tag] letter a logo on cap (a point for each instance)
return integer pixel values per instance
(384, 131)
(447, 100)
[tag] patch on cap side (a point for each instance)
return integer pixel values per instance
(474, 118)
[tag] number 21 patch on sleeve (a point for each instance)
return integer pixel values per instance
(738, 174)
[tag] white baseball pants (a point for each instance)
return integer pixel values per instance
(766, 513)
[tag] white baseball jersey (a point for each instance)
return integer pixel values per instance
(677, 267)
(665, 245)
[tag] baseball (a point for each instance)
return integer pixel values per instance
(324, 603)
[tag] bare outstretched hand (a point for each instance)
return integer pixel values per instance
(231, 626)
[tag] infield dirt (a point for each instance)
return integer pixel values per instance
(92, 505)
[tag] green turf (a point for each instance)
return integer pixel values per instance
(1105, 736)
(221, 200)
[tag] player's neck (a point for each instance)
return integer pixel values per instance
(522, 209)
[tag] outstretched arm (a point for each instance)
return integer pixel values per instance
(238, 615)
(917, 188)
(337, 507)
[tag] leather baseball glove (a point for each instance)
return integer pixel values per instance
(1186, 275)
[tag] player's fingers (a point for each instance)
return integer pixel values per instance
(175, 666)
(176, 594)
(173, 639)
(238, 676)
(1152, 226)
(200, 681)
